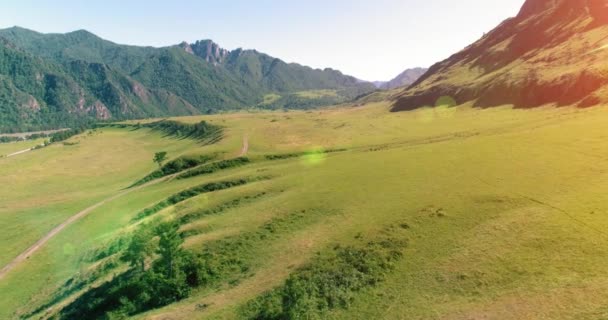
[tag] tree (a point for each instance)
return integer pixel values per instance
(160, 157)
(169, 247)
(139, 249)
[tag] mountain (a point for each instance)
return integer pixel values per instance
(58, 80)
(405, 78)
(552, 53)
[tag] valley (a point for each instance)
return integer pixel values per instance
(189, 181)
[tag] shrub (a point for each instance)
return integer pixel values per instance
(328, 282)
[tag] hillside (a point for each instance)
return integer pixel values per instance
(51, 80)
(552, 52)
(405, 78)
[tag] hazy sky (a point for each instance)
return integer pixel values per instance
(372, 40)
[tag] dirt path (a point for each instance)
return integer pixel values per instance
(23, 151)
(19, 152)
(36, 246)
(245, 148)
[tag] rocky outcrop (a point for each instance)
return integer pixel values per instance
(99, 111)
(206, 49)
(32, 104)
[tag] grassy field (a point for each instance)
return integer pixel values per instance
(53, 183)
(503, 210)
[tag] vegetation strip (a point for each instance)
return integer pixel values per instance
(175, 166)
(190, 193)
(330, 281)
(214, 167)
(203, 130)
(192, 216)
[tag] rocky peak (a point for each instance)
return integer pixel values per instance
(206, 49)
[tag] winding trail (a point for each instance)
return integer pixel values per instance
(36, 246)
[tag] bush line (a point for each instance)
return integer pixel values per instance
(187, 194)
(214, 167)
(175, 166)
(187, 218)
(300, 154)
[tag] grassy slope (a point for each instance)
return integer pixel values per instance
(522, 234)
(519, 236)
(53, 183)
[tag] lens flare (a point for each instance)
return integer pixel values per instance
(314, 157)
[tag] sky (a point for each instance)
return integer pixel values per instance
(371, 40)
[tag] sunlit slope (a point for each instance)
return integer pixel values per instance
(552, 52)
(505, 221)
(501, 210)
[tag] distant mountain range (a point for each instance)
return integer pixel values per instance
(554, 52)
(405, 78)
(59, 80)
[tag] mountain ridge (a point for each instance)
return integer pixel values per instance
(525, 62)
(126, 82)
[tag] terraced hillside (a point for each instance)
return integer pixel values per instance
(346, 213)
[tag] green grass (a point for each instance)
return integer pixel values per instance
(504, 210)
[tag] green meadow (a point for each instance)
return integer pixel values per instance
(440, 213)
